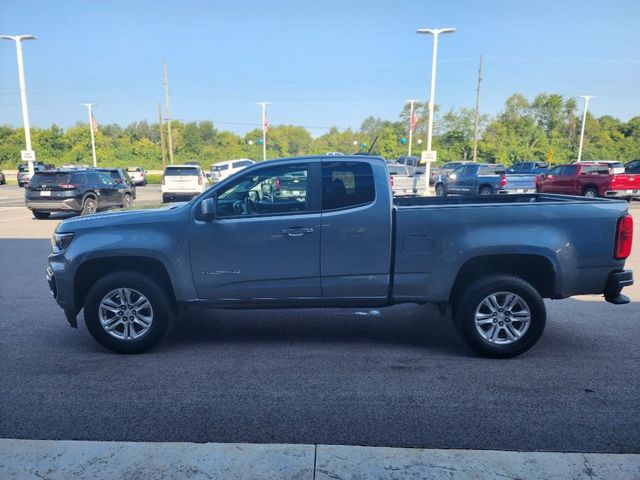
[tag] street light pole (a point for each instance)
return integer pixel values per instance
(23, 91)
(584, 120)
(432, 97)
(411, 124)
(93, 139)
(264, 128)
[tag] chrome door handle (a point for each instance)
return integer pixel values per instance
(297, 231)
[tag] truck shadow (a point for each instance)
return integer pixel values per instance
(403, 325)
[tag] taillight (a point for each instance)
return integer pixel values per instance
(68, 185)
(503, 181)
(162, 179)
(142, 174)
(624, 237)
(391, 180)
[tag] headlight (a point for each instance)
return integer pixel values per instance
(60, 241)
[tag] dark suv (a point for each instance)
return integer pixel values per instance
(82, 191)
(122, 179)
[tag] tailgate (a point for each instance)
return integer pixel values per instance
(187, 183)
(625, 181)
(522, 181)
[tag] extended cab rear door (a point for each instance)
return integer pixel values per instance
(355, 248)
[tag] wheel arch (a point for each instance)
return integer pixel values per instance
(536, 269)
(93, 269)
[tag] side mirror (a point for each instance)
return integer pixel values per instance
(208, 208)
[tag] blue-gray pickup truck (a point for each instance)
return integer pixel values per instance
(335, 237)
(483, 179)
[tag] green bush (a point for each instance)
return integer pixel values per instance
(154, 178)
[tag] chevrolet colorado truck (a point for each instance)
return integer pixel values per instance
(341, 241)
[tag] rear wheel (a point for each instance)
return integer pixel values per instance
(500, 316)
(440, 190)
(41, 215)
(590, 192)
(127, 312)
(486, 191)
(89, 206)
(126, 200)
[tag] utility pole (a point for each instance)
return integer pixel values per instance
(477, 119)
(93, 138)
(23, 94)
(166, 98)
(162, 147)
(584, 120)
(412, 124)
(265, 128)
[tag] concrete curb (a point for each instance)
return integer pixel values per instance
(51, 459)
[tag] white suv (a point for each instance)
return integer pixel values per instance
(182, 182)
(137, 175)
(222, 170)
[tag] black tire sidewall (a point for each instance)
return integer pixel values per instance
(595, 192)
(41, 215)
(440, 188)
(163, 315)
(486, 189)
(464, 315)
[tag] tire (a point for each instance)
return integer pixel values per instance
(440, 192)
(126, 200)
(160, 312)
(486, 191)
(590, 192)
(41, 215)
(502, 343)
(90, 205)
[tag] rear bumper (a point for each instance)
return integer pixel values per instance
(516, 191)
(178, 196)
(615, 283)
(67, 205)
(623, 193)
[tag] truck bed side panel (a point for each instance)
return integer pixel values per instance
(434, 242)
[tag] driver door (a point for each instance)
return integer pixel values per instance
(265, 240)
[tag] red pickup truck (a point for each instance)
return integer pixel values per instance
(590, 180)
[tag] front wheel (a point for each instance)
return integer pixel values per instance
(440, 190)
(500, 316)
(127, 312)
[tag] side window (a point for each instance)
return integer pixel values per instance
(554, 171)
(346, 184)
(468, 170)
(79, 178)
(268, 191)
(569, 170)
(104, 178)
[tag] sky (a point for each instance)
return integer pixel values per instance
(320, 63)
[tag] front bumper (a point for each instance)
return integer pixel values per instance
(615, 283)
(58, 287)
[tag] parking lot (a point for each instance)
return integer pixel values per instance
(395, 377)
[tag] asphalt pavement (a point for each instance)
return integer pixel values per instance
(394, 377)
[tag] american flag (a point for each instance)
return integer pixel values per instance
(414, 121)
(265, 123)
(94, 124)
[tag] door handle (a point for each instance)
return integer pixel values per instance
(297, 231)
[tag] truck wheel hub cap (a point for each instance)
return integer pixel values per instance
(502, 318)
(125, 314)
